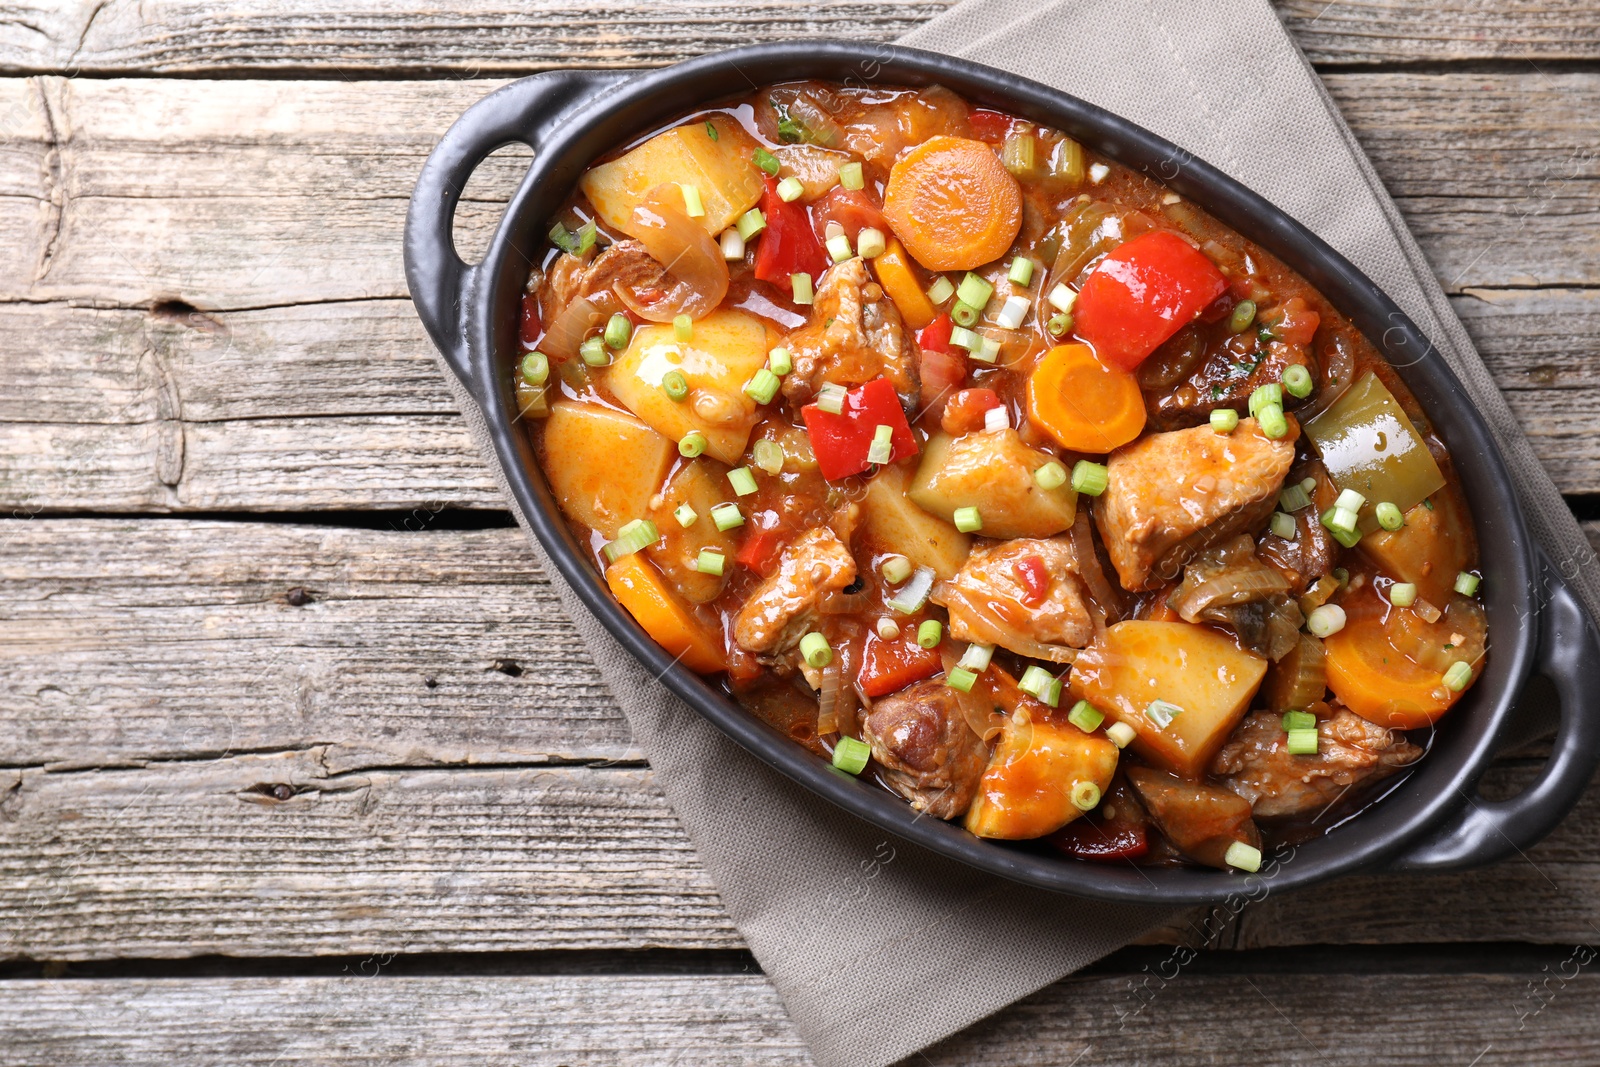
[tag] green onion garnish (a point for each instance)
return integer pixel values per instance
(1121, 734)
(692, 444)
(768, 455)
(1350, 500)
(976, 657)
(1297, 381)
(1272, 422)
(1342, 524)
(1325, 621)
(962, 337)
(767, 161)
(675, 385)
(732, 245)
(1224, 420)
(1299, 720)
(1244, 313)
(779, 361)
(1243, 857)
(968, 520)
(1458, 677)
(914, 594)
(1283, 526)
(988, 351)
(727, 517)
(816, 650)
(1467, 583)
(964, 314)
(619, 330)
(640, 533)
(535, 368)
(1021, 272)
(1012, 312)
(1050, 476)
(750, 223)
(960, 679)
(1090, 478)
(762, 386)
(1086, 717)
(974, 291)
(594, 352)
(896, 569)
(830, 398)
(1035, 681)
(1303, 742)
(1063, 297)
(850, 755)
(940, 291)
(1402, 594)
(791, 189)
(1294, 498)
(882, 446)
(871, 243)
(1389, 516)
(929, 633)
(1052, 695)
(711, 131)
(683, 328)
(685, 515)
(1162, 712)
(888, 629)
(743, 482)
(850, 176)
(1085, 795)
(710, 561)
(839, 248)
(693, 206)
(1059, 325)
(1271, 393)
(800, 285)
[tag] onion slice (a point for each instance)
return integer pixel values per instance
(691, 259)
(569, 329)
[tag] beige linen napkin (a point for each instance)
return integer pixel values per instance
(877, 947)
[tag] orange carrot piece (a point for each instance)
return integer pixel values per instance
(893, 269)
(638, 587)
(953, 203)
(1379, 683)
(1084, 404)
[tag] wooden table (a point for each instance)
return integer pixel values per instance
(300, 762)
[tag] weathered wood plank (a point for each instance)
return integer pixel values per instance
(1142, 1020)
(355, 39)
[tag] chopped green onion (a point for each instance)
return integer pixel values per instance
(1012, 312)
(594, 352)
(940, 291)
(816, 650)
(995, 420)
(1121, 734)
(711, 132)
(1090, 478)
(896, 569)
(929, 633)
(1224, 420)
(675, 384)
(791, 189)
(964, 314)
(743, 482)
(535, 368)
(976, 657)
(1325, 621)
(1272, 422)
(1162, 712)
(962, 337)
(888, 629)
(1389, 516)
(1303, 742)
(850, 755)
(693, 206)
(830, 398)
(1086, 717)
(1458, 677)
(575, 245)
(767, 161)
(1467, 583)
(1308, 485)
(800, 285)
(640, 533)
(871, 243)
(1059, 325)
(1021, 272)
(1283, 526)
(1244, 313)
(710, 561)
(1297, 381)
(685, 515)
(968, 520)
(839, 248)
(1085, 795)
(960, 679)
(683, 328)
(1350, 500)
(732, 245)
(1271, 393)
(987, 351)
(882, 446)
(1293, 499)
(850, 176)
(914, 594)
(1063, 297)
(768, 455)
(1050, 476)
(1052, 695)
(692, 444)
(762, 386)
(1402, 594)
(727, 517)
(1035, 681)
(974, 291)
(619, 331)
(1299, 720)
(750, 223)
(1243, 857)
(779, 361)
(1342, 524)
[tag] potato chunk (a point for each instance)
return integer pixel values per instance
(723, 170)
(1026, 790)
(895, 524)
(603, 466)
(1206, 675)
(993, 472)
(702, 484)
(726, 350)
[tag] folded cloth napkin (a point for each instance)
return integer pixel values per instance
(878, 948)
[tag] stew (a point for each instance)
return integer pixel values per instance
(998, 474)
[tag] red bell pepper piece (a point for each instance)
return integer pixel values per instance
(531, 328)
(841, 441)
(1092, 838)
(852, 209)
(990, 126)
(935, 337)
(1142, 293)
(761, 549)
(787, 246)
(1035, 580)
(889, 666)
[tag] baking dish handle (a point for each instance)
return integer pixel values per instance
(525, 112)
(1485, 831)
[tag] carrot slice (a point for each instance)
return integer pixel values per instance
(1084, 404)
(638, 587)
(953, 203)
(893, 269)
(1379, 683)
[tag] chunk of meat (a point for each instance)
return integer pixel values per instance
(928, 753)
(1312, 552)
(1173, 494)
(1227, 584)
(1351, 752)
(1024, 595)
(1200, 820)
(855, 335)
(778, 613)
(624, 265)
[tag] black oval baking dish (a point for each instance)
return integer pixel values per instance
(1433, 819)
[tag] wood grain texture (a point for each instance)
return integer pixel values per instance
(1142, 1020)
(356, 38)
